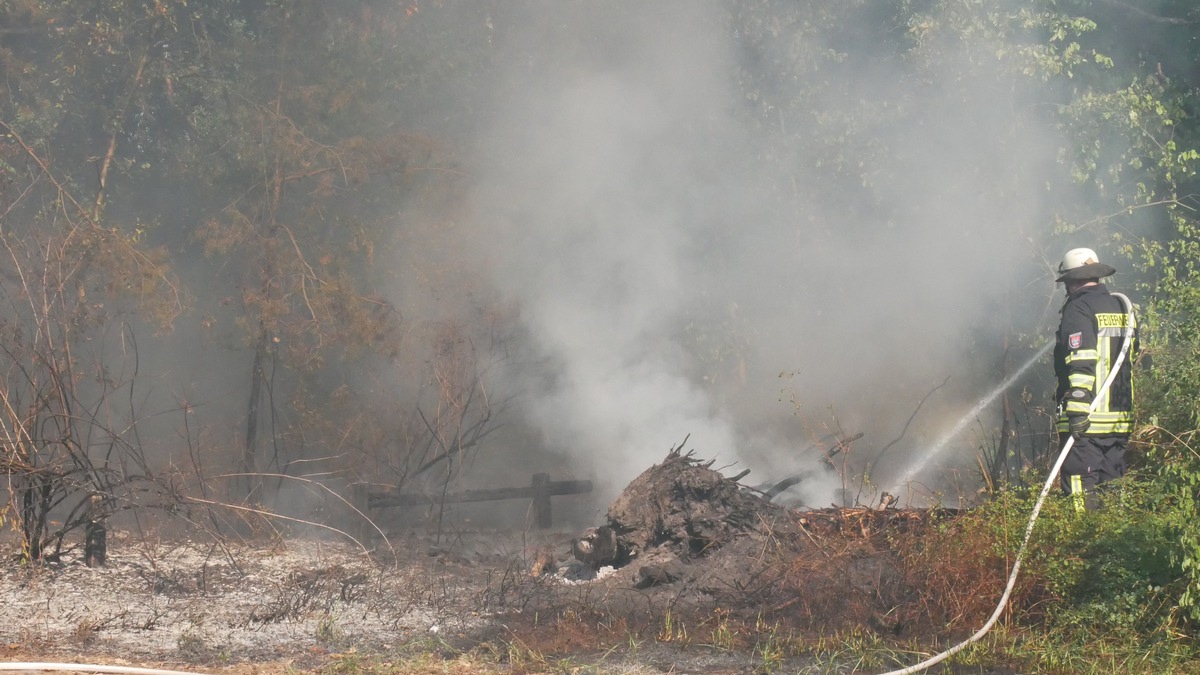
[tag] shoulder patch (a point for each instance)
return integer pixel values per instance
(1074, 340)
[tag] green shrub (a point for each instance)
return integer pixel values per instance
(1169, 406)
(1123, 584)
(1180, 480)
(1117, 572)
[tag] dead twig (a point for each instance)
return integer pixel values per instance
(327, 489)
(270, 515)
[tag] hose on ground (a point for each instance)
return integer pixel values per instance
(1037, 509)
(91, 668)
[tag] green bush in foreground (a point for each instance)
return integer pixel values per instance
(1117, 573)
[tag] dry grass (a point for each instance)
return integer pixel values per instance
(844, 586)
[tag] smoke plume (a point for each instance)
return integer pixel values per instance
(682, 271)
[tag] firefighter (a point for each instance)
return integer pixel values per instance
(1090, 336)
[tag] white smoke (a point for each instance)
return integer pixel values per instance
(626, 209)
(596, 182)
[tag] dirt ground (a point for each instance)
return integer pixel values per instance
(297, 604)
(200, 601)
(710, 578)
(309, 605)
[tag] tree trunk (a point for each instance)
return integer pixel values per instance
(249, 464)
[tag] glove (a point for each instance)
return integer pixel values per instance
(1078, 424)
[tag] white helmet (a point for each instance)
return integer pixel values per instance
(1082, 263)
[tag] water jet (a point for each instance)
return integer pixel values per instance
(966, 419)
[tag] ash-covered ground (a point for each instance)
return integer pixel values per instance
(688, 571)
(301, 604)
(198, 601)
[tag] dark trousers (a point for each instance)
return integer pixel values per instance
(1094, 460)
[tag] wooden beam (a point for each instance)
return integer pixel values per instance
(548, 488)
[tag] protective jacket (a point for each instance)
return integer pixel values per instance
(1088, 341)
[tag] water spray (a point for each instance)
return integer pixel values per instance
(966, 419)
(1037, 508)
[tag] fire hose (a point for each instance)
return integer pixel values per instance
(1037, 508)
(90, 668)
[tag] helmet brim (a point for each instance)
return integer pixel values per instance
(1089, 271)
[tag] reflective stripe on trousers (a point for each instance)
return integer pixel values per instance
(1077, 493)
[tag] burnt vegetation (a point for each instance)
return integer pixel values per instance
(247, 308)
(686, 541)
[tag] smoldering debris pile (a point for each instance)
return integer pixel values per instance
(694, 540)
(682, 508)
